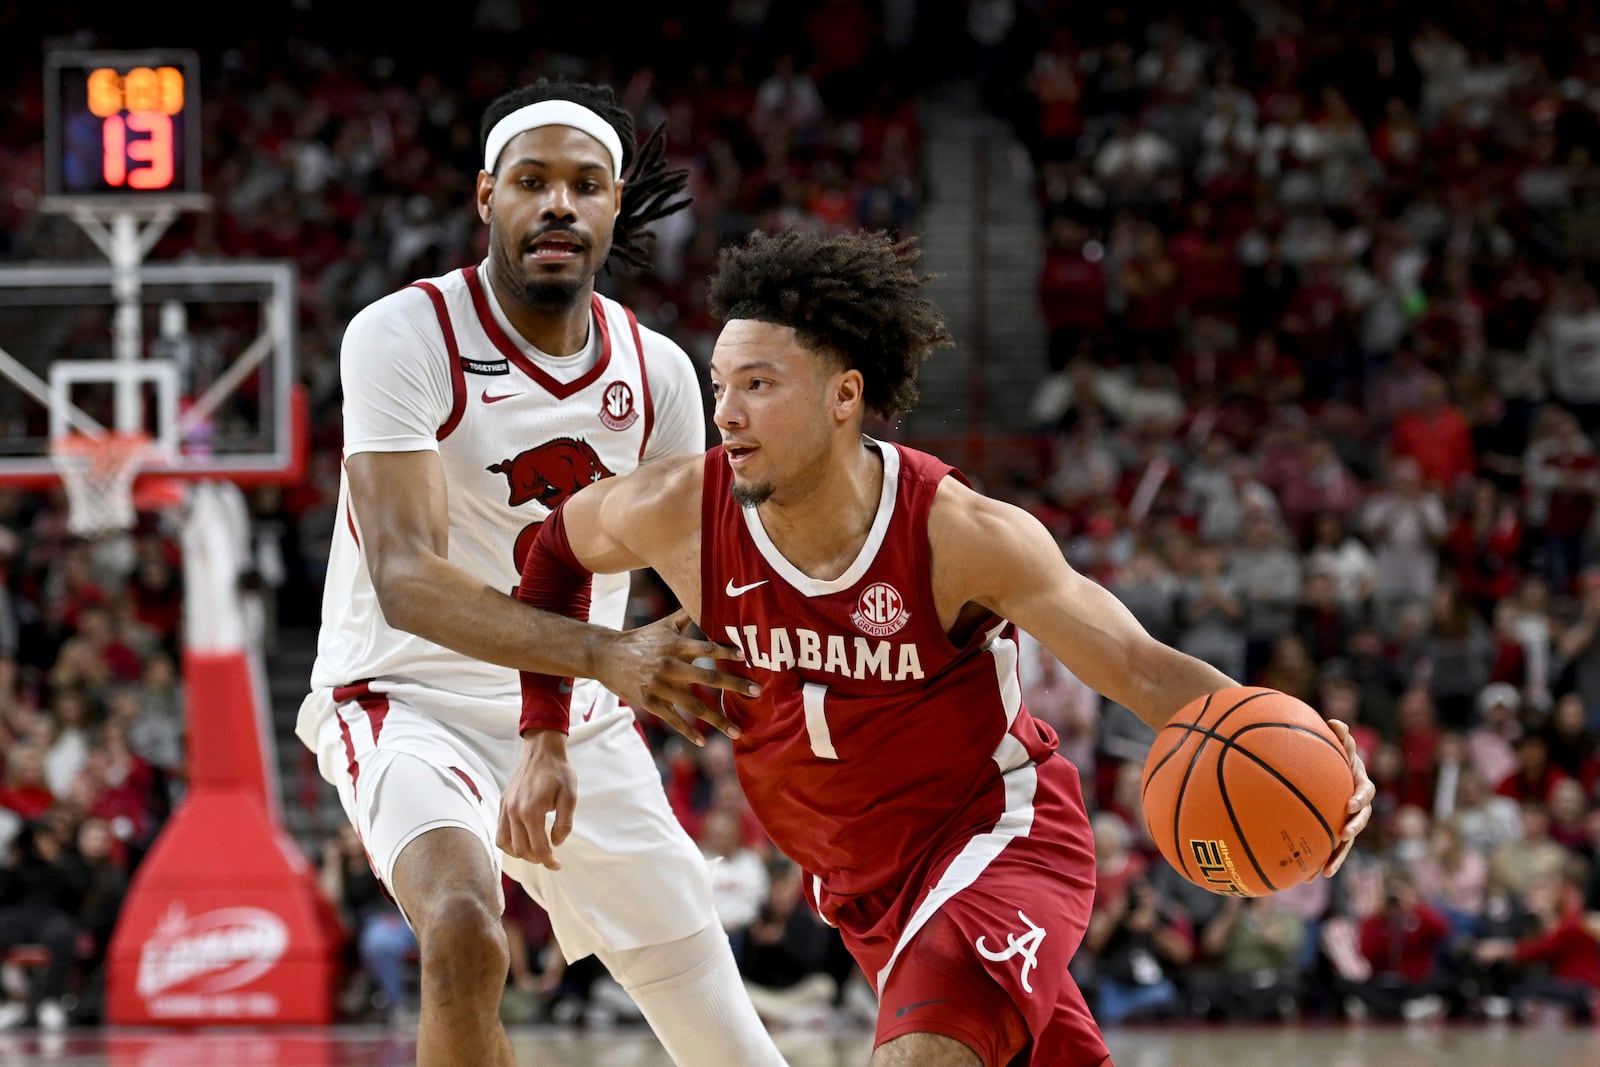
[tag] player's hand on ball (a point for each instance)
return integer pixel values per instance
(544, 782)
(1360, 807)
(653, 668)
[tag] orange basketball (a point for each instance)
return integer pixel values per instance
(1245, 791)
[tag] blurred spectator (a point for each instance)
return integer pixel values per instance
(1319, 483)
(1139, 944)
(1289, 669)
(1454, 657)
(1453, 877)
(1072, 294)
(1055, 695)
(1150, 590)
(1406, 521)
(1562, 474)
(1418, 745)
(1519, 865)
(39, 900)
(1402, 944)
(1568, 809)
(1566, 948)
(1535, 775)
(1211, 613)
(382, 941)
(99, 866)
(1577, 648)
(1484, 547)
(739, 883)
(1573, 745)
(1269, 576)
(1322, 622)
(25, 791)
(1257, 946)
(68, 752)
(1568, 339)
(1435, 434)
(792, 962)
(1491, 744)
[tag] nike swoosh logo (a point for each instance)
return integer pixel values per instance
(913, 1007)
(487, 399)
(741, 590)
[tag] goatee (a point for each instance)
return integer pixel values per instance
(551, 295)
(751, 496)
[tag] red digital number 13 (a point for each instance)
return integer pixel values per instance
(153, 152)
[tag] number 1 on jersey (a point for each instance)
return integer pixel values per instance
(813, 696)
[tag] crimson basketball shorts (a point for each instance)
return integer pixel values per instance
(981, 955)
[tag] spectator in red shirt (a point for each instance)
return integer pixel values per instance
(1436, 434)
(1419, 746)
(1402, 942)
(1072, 290)
(25, 791)
(1565, 950)
(1483, 548)
(1535, 774)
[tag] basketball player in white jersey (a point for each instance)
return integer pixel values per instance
(474, 403)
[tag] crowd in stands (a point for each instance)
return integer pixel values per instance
(1318, 400)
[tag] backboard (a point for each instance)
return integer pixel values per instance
(210, 375)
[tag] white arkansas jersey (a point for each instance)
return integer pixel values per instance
(438, 366)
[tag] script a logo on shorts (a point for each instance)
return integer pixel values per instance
(1216, 865)
(550, 472)
(616, 407)
(880, 610)
(215, 950)
(1025, 945)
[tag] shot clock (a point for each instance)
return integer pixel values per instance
(122, 126)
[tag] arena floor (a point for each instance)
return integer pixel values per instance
(1358, 1046)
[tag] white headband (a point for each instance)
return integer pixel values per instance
(553, 113)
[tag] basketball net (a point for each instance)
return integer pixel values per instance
(98, 472)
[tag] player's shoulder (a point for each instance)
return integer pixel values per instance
(966, 519)
(409, 309)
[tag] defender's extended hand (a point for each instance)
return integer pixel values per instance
(1360, 806)
(543, 782)
(652, 668)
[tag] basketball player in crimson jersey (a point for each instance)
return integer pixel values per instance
(473, 404)
(875, 597)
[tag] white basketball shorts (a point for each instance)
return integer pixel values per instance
(630, 875)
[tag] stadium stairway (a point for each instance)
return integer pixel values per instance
(310, 805)
(981, 220)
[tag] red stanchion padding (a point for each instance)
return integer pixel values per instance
(224, 921)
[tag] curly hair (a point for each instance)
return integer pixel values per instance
(855, 296)
(651, 191)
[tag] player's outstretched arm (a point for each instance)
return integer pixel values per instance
(997, 555)
(400, 504)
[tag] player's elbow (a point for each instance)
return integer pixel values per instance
(402, 588)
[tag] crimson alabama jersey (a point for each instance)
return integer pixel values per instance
(437, 366)
(876, 742)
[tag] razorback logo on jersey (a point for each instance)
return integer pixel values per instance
(616, 407)
(551, 472)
